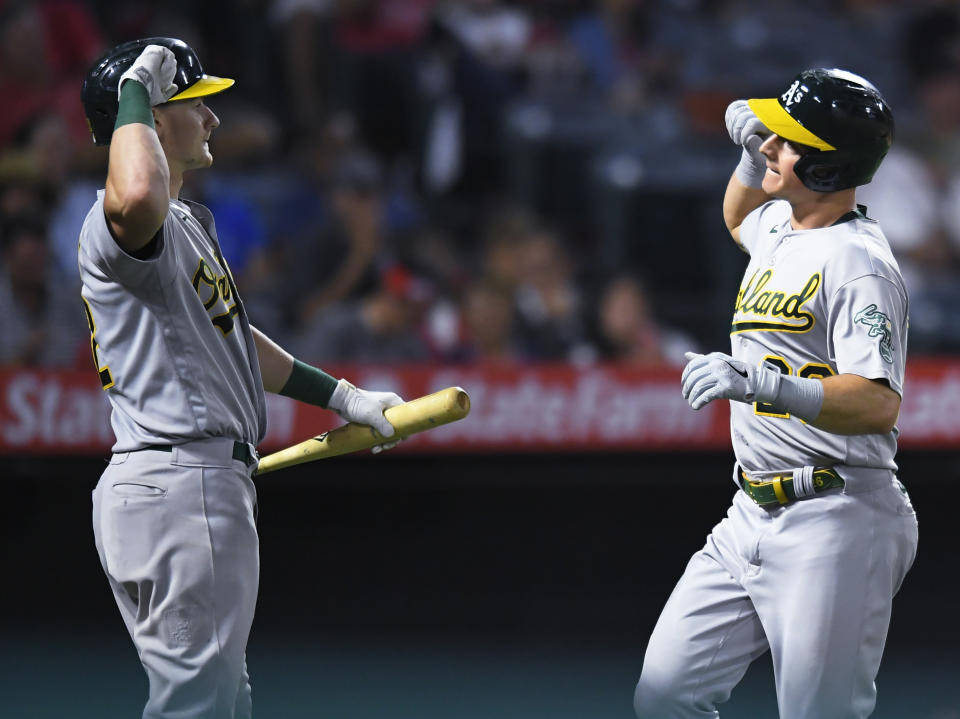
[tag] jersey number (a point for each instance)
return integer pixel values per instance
(809, 371)
(106, 378)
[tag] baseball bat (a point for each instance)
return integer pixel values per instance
(432, 410)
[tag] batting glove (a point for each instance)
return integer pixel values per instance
(154, 69)
(746, 130)
(720, 376)
(365, 407)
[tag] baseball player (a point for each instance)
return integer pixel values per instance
(820, 533)
(185, 372)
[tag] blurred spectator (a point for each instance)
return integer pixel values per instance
(914, 212)
(611, 40)
(471, 65)
(549, 302)
(19, 199)
(46, 47)
(570, 107)
(381, 327)
(487, 326)
(42, 323)
(377, 43)
(304, 30)
(506, 229)
(496, 32)
(931, 55)
(343, 259)
(627, 330)
(916, 191)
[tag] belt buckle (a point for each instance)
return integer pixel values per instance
(778, 489)
(776, 482)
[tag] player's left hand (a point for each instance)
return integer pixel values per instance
(365, 407)
(720, 376)
(155, 69)
(744, 127)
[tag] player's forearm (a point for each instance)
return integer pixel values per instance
(138, 177)
(276, 363)
(856, 405)
(738, 202)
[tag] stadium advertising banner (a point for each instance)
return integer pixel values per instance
(514, 409)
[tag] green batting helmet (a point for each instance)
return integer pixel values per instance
(99, 92)
(841, 116)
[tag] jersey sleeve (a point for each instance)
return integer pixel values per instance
(99, 245)
(868, 330)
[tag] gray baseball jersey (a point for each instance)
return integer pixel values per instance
(170, 337)
(816, 303)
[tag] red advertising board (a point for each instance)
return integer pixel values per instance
(556, 408)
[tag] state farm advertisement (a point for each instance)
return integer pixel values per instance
(556, 408)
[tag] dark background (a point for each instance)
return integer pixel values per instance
(444, 586)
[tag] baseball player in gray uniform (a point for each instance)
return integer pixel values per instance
(820, 533)
(185, 373)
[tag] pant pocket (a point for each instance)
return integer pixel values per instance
(138, 490)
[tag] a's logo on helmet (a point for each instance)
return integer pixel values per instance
(793, 94)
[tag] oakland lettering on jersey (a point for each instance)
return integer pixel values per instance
(755, 301)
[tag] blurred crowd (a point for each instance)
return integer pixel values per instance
(460, 181)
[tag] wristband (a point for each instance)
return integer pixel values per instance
(801, 397)
(134, 105)
(751, 170)
(309, 384)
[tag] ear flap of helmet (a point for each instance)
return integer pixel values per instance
(837, 169)
(820, 171)
(841, 114)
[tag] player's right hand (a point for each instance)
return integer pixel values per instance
(154, 69)
(746, 130)
(744, 127)
(365, 407)
(720, 376)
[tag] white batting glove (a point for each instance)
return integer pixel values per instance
(746, 130)
(720, 376)
(365, 407)
(154, 69)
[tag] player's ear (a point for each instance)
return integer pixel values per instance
(158, 123)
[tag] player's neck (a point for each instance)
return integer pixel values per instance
(176, 184)
(821, 209)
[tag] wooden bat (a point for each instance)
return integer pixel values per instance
(432, 410)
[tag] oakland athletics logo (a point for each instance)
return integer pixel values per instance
(879, 325)
(217, 287)
(793, 94)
